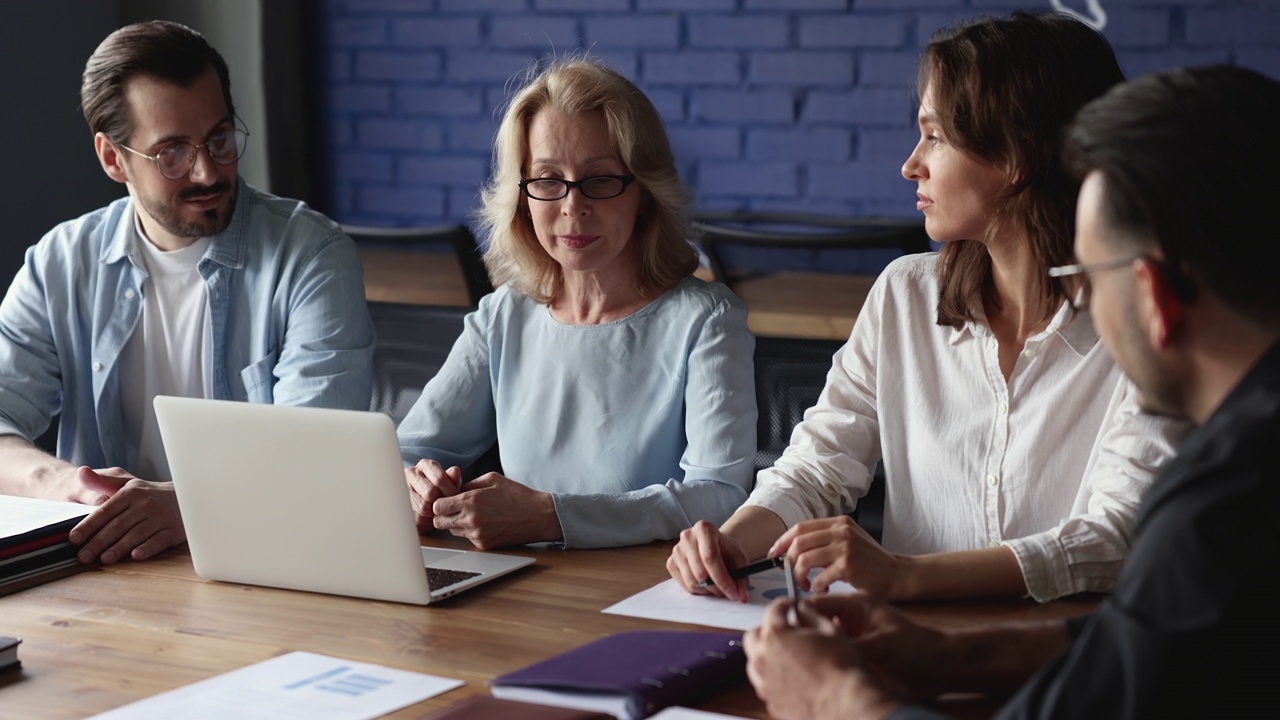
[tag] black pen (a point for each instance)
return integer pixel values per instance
(749, 569)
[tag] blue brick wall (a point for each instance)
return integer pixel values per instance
(771, 104)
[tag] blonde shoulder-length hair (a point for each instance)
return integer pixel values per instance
(576, 85)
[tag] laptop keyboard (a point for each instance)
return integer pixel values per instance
(437, 578)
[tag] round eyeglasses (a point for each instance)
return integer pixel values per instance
(175, 160)
(596, 187)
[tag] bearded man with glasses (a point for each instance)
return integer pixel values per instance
(195, 284)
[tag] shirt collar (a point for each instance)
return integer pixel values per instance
(1075, 328)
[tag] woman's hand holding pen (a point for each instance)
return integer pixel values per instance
(429, 481)
(705, 553)
(845, 552)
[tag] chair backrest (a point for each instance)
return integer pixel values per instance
(802, 231)
(413, 342)
(790, 375)
(459, 238)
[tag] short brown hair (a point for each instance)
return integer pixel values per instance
(1004, 89)
(166, 50)
(1172, 148)
(638, 136)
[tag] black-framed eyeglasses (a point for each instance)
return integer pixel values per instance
(1085, 291)
(176, 159)
(596, 187)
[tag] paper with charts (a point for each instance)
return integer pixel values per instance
(297, 685)
(682, 713)
(668, 601)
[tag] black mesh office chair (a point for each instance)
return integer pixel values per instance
(457, 236)
(790, 375)
(413, 343)
(712, 229)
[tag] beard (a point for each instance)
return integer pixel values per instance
(1160, 389)
(209, 222)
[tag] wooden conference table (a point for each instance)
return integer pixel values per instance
(110, 636)
(787, 304)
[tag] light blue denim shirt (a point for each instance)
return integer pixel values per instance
(638, 427)
(287, 315)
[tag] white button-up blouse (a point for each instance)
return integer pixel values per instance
(1052, 463)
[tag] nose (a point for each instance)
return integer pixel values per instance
(913, 168)
(575, 204)
(202, 170)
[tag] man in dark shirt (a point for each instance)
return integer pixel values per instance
(1179, 252)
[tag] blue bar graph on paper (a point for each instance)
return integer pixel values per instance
(341, 681)
(318, 678)
(354, 685)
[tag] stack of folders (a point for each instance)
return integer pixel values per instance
(630, 675)
(9, 653)
(34, 544)
(484, 707)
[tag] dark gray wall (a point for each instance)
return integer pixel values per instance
(52, 172)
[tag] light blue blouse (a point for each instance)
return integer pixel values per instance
(637, 427)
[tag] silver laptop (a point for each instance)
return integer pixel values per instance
(306, 499)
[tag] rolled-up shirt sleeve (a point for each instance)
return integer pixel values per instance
(1084, 552)
(30, 376)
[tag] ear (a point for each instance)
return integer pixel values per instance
(1163, 312)
(111, 158)
(1015, 174)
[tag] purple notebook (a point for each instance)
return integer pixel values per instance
(632, 674)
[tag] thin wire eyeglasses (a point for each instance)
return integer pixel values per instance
(177, 159)
(1085, 291)
(596, 187)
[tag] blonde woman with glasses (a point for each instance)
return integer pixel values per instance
(620, 389)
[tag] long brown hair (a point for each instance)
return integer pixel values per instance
(1003, 90)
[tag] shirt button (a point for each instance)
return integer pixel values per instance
(128, 294)
(1030, 353)
(97, 367)
(1002, 408)
(994, 543)
(991, 480)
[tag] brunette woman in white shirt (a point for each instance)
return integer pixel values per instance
(1013, 446)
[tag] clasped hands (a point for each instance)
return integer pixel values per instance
(493, 511)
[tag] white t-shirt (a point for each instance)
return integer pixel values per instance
(168, 353)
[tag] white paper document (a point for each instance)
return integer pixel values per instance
(680, 713)
(668, 601)
(291, 687)
(21, 514)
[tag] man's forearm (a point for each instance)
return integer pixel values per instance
(30, 472)
(1001, 657)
